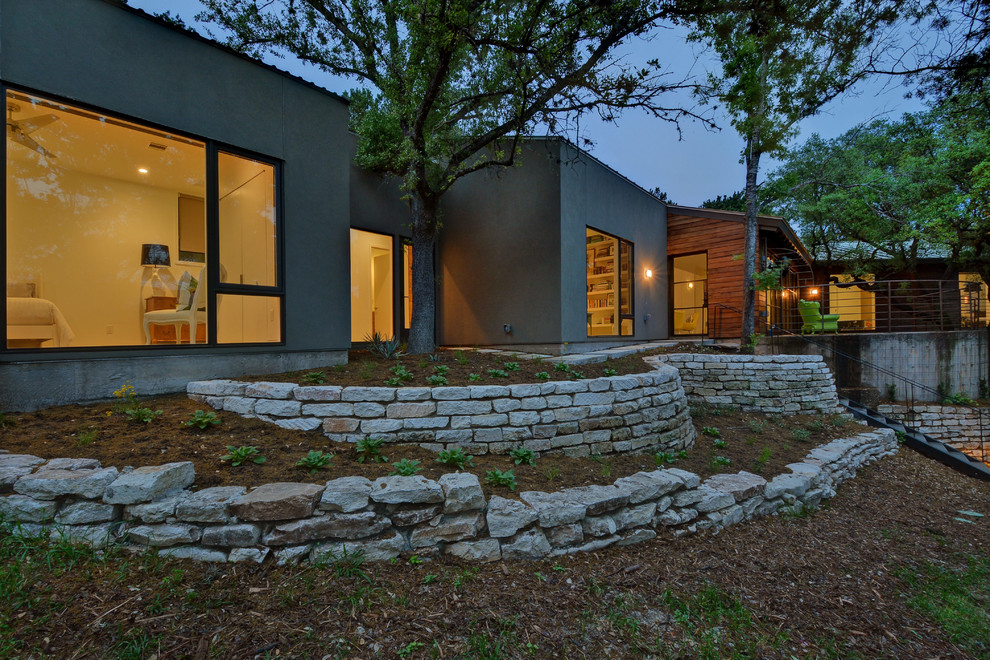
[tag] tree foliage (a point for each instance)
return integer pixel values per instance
(734, 202)
(449, 87)
(886, 194)
(780, 61)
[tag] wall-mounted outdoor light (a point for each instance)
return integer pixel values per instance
(649, 273)
(508, 328)
(814, 292)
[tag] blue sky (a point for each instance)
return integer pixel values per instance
(699, 165)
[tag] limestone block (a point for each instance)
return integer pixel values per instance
(256, 555)
(240, 405)
(483, 550)
(565, 534)
(451, 393)
(369, 409)
(232, 536)
(277, 501)
(380, 425)
(149, 483)
(523, 391)
(216, 387)
(154, 512)
(10, 475)
(265, 390)
(405, 515)
(741, 486)
(488, 391)
(506, 405)
(380, 549)
(20, 508)
(317, 393)
(299, 423)
(86, 513)
(413, 394)
(790, 484)
(577, 451)
(97, 536)
(464, 407)
(50, 484)
(346, 494)
(277, 408)
(598, 499)
(292, 554)
(599, 526)
(457, 527)
(338, 425)
(209, 505)
(195, 553)
(635, 516)
(409, 490)
(71, 464)
(462, 492)
(333, 525)
(689, 479)
(553, 509)
(411, 409)
(644, 486)
(636, 536)
(506, 517)
(164, 536)
(328, 409)
(531, 544)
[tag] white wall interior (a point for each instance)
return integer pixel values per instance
(371, 285)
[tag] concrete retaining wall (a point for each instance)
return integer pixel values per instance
(154, 507)
(643, 412)
(957, 426)
(789, 384)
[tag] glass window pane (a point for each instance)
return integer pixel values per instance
(248, 319)
(406, 285)
(371, 285)
(247, 220)
(93, 227)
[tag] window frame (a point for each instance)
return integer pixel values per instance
(212, 149)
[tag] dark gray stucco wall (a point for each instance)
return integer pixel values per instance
(96, 53)
(499, 254)
(594, 196)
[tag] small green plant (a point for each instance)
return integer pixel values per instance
(142, 414)
(716, 463)
(7, 420)
(315, 460)
(430, 578)
(203, 420)
(756, 426)
(441, 369)
(401, 376)
(542, 375)
(891, 391)
(243, 454)
(497, 373)
(606, 470)
(434, 357)
(551, 473)
(387, 348)
(405, 468)
(474, 378)
(314, 378)
(753, 342)
(720, 444)
(523, 456)
(366, 370)
(761, 461)
(958, 399)
(460, 357)
(575, 374)
(87, 436)
(901, 437)
(416, 560)
(437, 381)
(711, 431)
(800, 435)
(816, 425)
(561, 366)
(608, 371)
(665, 458)
(499, 478)
(370, 450)
(511, 366)
(455, 458)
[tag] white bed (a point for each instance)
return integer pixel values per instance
(33, 321)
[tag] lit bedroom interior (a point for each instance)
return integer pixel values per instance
(106, 234)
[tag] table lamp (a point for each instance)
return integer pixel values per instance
(156, 255)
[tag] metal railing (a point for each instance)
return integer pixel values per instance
(878, 306)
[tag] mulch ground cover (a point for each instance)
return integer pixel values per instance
(832, 584)
(727, 441)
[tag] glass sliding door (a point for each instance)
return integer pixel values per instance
(372, 304)
(689, 299)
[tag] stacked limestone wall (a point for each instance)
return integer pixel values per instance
(958, 426)
(643, 412)
(154, 507)
(790, 384)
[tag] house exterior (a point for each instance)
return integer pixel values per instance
(705, 249)
(172, 211)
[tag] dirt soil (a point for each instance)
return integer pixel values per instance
(752, 442)
(827, 585)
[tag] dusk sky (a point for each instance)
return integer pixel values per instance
(699, 166)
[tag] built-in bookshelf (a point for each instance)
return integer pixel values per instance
(609, 264)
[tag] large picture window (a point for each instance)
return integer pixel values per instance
(609, 280)
(107, 234)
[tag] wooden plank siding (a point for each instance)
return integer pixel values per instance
(721, 240)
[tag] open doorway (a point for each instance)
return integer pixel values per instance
(689, 295)
(372, 305)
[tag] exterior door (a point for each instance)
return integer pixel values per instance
(689, 294)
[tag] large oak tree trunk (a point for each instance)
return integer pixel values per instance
(753, 154)
(422, 327)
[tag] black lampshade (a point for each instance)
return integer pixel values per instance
(155, 254)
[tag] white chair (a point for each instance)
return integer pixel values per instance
(179, 317)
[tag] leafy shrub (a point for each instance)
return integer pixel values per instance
(437, 381)
(958, 399)
(561, 366)
(500, 478)
(474, 378)
(576, 375)
(455, 458)
(523, 456)
(497, 373)
(542, 375)
(387, 348)
(314, 378)
(441, 369)
(315, 460)
(203, 420)
(511, 366)
(711, 431)
(370, 449)
(405, 468)
(402, 375)
(243, 454)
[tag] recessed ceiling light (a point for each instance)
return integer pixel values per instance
(143, 170)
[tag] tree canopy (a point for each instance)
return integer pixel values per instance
(449, 87)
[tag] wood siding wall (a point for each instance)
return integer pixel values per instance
(721, 240)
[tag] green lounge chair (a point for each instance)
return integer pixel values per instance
(815, 321)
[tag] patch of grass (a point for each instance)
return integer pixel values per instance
(816, 425)
(460, 357)
(87, 436)
(954, 597)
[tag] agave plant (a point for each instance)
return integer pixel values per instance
(387, 348)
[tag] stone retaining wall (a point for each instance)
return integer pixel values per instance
(646, 412)
(790, 384)
(153, 507)
(956, 426)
